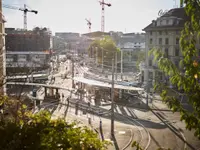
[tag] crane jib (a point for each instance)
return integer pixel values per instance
(25, 10)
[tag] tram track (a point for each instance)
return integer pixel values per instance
(141, 134)
(142, 137)
(177, 132)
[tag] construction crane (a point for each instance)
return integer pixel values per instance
(89, 24)
(25, 10)
(102, 3)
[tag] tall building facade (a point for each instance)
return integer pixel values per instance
(163, 33)
(27, 49)
(72, 39)
(130, 44)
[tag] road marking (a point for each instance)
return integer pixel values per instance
(118, 110)
(122, 132)
(127, 112)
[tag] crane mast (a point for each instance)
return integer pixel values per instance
(102, 3)
(89, 24)
(25, 17)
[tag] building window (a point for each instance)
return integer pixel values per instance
(160, 22)
(151, 41)
(166, 32)
(160, 32)
(166, 41)
(15, 57)
(150, 62)
(177, 40)
(177, 32)
(176, 52)
(151, 33)
(167, 22)
(160, 40)
(166, 52)
(150, 75)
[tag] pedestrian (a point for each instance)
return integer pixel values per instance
(63, 96)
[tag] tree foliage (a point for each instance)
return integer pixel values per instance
(39, 131)
(105, 46)
(140, 57)
(187, 77)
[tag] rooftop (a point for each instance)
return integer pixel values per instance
(96, 34)
(179, 16)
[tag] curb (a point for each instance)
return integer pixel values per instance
(129, 142)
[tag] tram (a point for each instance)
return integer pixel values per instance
(51, 94)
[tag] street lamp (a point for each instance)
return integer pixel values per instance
(121, 65)
(102, 59)
(96, 48)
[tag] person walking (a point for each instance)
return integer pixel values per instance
(63, 96)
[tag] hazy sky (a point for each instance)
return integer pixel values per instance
(69, 15)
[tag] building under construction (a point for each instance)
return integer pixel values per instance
(27, 50)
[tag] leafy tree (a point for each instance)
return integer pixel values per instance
(187, 78)
(39, 131)
(140, 57)
(105, 46)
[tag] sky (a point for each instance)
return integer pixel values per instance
(69, 15)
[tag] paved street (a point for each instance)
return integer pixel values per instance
(130, 122)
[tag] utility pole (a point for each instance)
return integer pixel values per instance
(116, 66)
(120, 92)
(112, 101)
(148, 91)
(96, 56)
(121, 65)
(102, 60)
(72, 73)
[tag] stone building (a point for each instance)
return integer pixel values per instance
(163, 33)
(130, 44)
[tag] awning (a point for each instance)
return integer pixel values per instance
(106, 84)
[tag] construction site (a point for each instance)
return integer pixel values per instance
(27, 49)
